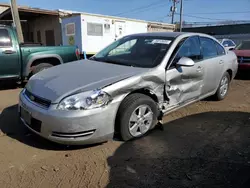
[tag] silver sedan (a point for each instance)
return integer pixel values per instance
(126, 88)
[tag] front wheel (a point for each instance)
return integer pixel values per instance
(223, 87)
(136, 116)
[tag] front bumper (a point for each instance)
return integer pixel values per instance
(70, 127)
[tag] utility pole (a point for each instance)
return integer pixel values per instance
(181, 14)
(173, 9)
(16, 20)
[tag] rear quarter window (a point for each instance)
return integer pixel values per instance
(220, 49)
(208, 46)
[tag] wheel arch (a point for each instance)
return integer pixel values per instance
(230, 72)
(54, 59)
(144, 91)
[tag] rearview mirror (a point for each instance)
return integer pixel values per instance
(225, 45)
(185, 61)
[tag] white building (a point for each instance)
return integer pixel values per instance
(92, 32)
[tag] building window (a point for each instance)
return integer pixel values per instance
(5, 40)
(107, 28)
(38, 34)
(70, 29)
(94, 29)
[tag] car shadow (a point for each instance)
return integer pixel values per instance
(8, 85)
(11, 126)
(242, 76)
(209, 149)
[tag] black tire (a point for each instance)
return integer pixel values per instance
(128, 106)
(218, 96)
(40, 67)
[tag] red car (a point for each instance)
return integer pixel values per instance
(243, 54)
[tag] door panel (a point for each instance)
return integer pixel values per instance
(9, 57)
(213, 70)
(119, 29)
(184, 84)
(213, 65)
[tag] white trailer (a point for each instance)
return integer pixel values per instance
(93, 32)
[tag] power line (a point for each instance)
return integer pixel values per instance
(205, 18)
(242, 12)
(199, 17)
(150, 8)
(159, 3)
(189, 15)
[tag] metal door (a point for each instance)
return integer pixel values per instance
(9, 56)
(119, 29)
(213, 64)
(184, 84)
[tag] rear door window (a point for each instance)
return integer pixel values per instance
(209, 49)
(5, 40)
(220, 49)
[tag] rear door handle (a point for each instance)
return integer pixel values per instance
(9, 52)
(221, 62)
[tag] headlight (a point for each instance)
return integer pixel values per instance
(84, 101)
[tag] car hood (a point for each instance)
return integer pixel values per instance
(60, 81)
(244, 53)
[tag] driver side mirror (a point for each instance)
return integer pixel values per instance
(186, 62)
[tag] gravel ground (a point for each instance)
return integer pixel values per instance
(204, 145)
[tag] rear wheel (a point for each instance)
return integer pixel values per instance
(223, 87)
(136, 116)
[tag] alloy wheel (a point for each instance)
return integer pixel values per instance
(140, 120)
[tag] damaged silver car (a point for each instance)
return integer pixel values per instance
(127, 87)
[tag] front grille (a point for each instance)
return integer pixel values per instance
(38, 100)
(242, 59)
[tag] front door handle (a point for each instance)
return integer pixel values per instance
(221, 62)
(9, 52)
(199, 69)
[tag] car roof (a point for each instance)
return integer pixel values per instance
(159, 34)
(170, 34)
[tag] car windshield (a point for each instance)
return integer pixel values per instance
(136, 51)
(244, 45)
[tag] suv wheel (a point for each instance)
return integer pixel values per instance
(136, 116)
(40, 67)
